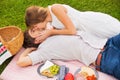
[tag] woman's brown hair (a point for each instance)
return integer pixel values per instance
(34, 15)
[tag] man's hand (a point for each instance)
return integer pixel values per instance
(24, 59)
(28, 50)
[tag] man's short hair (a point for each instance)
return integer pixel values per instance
(29, 41)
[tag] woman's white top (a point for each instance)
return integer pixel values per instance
(97, 23)
(100, 25)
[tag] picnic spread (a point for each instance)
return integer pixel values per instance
(31, 72)
(11, 40)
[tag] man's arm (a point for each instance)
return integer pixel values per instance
(24, 59)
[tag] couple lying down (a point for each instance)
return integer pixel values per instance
(93, 42)
(82, 46)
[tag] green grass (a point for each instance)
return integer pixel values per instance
(12, 11)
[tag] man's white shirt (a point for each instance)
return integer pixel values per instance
(82, 47)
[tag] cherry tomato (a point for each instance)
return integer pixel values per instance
(69, 76)
(91, 77)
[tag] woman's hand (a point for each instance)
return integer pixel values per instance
(43, 35)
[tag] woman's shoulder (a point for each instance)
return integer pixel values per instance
(57, 4)
(57, 7)
(60, 5)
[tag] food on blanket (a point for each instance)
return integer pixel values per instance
(46, 65)
(79, 77)
(86, 73)
(49, 69)
(69, 76)
(91, 77)
(54, 69)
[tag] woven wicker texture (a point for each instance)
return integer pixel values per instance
(12, 38)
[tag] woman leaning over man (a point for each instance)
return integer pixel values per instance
(65, 20)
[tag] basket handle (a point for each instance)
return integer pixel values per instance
(1, 40)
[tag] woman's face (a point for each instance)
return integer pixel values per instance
(37, 29)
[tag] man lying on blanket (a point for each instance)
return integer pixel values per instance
(83, 46)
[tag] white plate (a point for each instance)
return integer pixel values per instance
(79, 70)
(38, 70)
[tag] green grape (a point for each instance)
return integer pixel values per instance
(54, 69)
(50, 68)
(57, 69)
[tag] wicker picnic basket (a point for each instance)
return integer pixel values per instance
(12, 38)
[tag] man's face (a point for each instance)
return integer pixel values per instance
(37, 29)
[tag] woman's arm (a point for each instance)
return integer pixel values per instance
(24, 59)
(61, 13)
